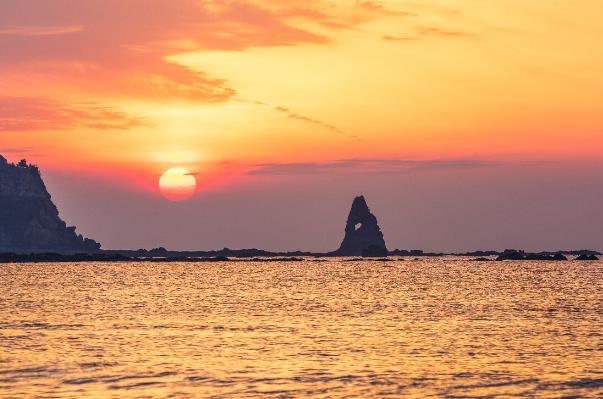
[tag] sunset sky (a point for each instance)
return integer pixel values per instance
(467, 124)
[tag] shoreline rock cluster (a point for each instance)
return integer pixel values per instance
(113, 257)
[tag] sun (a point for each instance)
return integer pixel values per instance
(177, 184)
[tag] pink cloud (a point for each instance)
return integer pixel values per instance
(39, 30)
(107, 49)
(20, 114)
(119, 47)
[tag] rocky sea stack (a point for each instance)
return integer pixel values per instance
(29, 221)
(362, 233)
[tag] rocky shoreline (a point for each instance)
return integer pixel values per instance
(114, 257)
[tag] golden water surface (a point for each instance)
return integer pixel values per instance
(435, 328)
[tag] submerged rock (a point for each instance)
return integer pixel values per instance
(29, 221)
(362, 233)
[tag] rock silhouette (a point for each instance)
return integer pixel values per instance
(512, 254)
(362, 233)
(29, 221)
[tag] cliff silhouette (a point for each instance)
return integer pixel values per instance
(29, 220)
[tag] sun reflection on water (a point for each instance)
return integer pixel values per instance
(334, 329)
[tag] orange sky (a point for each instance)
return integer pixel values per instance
(134, 87)
(468, 124)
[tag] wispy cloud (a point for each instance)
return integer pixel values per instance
(442, 32)
(368, 166)
(379, 9)
(20, 114)
(329, 14)
(39, 30)
(20, 151)
(400, 38)
(423, 32)
(293, 115)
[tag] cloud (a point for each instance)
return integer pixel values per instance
(113, 49)
(430, 31)
(39, 30)
(400, 38)
(378, 8)
(120, 47)
(348, 15)
(442, 32)
(292, 115)
(22, 151)
(21, 114)
(367, 166)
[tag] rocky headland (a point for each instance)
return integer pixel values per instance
(29, 221)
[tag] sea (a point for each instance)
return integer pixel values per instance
(318, 328)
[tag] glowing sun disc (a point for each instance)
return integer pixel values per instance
(177, 184)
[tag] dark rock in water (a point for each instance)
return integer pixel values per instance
(481, 259)
(374, 251)
(415, 252)
(56, 257)
(544, 256)
(511, 254)
(480, 254)
(361, 231)
(29, 221)
(404, 252)
(158, 252)
(585, 257)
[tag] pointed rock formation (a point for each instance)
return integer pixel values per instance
(362, 232)
(29, 221)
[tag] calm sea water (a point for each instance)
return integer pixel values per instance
(414, 329)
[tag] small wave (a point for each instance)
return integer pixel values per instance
(89, 365)
(40, 326)
(585, 383)
(136, 385)
(32, 370)
(80, 381)
(143, 376)
(497, 384)
(114, 379)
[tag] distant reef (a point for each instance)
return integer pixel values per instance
(29, 221)
(513, 254)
